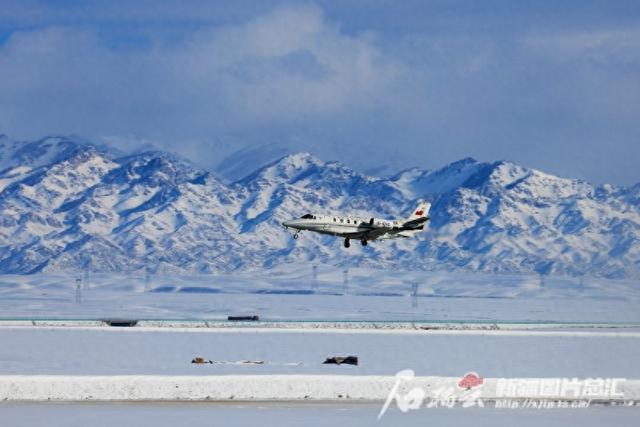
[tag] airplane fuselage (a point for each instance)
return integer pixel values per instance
(339, 226)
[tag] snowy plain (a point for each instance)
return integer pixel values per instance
(601, 340)
(293, 294)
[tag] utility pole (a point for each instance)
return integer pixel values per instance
(345, 281)
(78, 290)
(314, 284)
(85, 282)
(414, 294)
(147, 280)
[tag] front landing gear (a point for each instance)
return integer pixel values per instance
(295, 236)
(346, 243)
(364, 242)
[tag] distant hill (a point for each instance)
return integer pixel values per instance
(67, 204)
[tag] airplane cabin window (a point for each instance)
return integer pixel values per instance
(307, 216)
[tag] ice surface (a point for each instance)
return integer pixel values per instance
(285, 415)
(109, 351)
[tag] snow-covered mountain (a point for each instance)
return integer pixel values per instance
(66, 204)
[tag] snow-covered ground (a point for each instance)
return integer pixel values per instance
(291, 294)
(602, 339)
(154, 364)
(109, 351)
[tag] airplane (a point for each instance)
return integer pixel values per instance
(354, 227)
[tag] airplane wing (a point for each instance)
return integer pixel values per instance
(371, 234)
(409, 229)
(394, 234)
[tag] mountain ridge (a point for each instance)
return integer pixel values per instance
(67, 204)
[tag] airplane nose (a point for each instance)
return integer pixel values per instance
(287, 223)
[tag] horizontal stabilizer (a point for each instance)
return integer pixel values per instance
(419, 216)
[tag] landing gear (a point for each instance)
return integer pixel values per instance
(364, 242)
(295, 236)
(346, 243)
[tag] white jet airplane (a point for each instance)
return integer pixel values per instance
(353, 227)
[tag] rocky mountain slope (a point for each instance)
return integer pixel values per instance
(66, 204)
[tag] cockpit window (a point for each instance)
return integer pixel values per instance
(307, 216)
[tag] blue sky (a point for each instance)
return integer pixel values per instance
(380, 85)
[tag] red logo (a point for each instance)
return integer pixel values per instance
(419, 213)
(470, 380)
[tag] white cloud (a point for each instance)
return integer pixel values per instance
(598, 77)
(287, 64)
(290, 63)
(209, 79)
(619, 45)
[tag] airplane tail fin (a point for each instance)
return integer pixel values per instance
(422, 211)
(417, 219)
